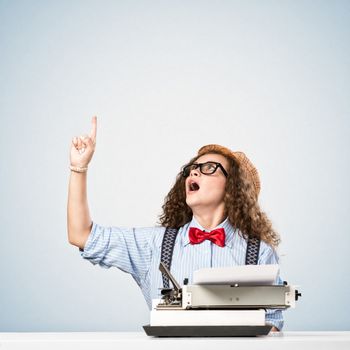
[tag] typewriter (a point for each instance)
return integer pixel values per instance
(214, 310)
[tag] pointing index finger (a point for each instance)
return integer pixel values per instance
(93, 129)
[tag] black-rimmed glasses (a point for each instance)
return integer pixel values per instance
(206, 168)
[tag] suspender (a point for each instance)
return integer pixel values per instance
(168, 243)
(167, 251)
(252, 253)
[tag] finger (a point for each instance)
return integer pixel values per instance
(85, 140)
(93, 129)
(75, 141)
(88, 142)
(80, 143)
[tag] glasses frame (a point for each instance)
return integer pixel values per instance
(200, 165)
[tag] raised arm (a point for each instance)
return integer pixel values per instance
(79, 222)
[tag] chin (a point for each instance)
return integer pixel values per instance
(193, 202)
(190, 202)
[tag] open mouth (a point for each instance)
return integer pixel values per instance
(193, 187)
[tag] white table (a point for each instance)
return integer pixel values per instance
(140, 341)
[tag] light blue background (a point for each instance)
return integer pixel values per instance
(270, 78)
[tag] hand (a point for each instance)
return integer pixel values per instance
(83, 147)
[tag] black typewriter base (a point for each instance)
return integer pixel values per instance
(207, 331)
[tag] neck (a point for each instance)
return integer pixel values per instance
(209, 219)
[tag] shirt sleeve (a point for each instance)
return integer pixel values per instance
(268, 255)
(128, 249)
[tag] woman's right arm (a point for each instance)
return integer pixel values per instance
(79, 222)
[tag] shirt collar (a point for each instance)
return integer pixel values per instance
(229, 231)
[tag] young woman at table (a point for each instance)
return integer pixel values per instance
(213, 204)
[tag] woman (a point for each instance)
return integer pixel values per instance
(213, 205)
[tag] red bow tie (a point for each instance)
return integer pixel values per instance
(216, 236)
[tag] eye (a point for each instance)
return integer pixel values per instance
(209, 167)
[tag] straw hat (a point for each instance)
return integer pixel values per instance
(242, 159)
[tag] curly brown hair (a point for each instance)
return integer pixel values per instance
(241, 205)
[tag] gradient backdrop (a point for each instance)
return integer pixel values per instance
(270, 78)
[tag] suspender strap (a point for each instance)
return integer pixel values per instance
(252, 254)
(166, 255)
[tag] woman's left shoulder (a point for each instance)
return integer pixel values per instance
(267, 254)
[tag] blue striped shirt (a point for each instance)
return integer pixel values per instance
(137, 251)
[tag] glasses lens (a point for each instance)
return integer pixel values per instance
(187, 169)
(208, 168)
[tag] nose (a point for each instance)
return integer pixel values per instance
(195, 172)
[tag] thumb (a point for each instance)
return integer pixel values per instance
(88, 141)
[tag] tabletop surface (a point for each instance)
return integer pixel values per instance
(114, 340)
